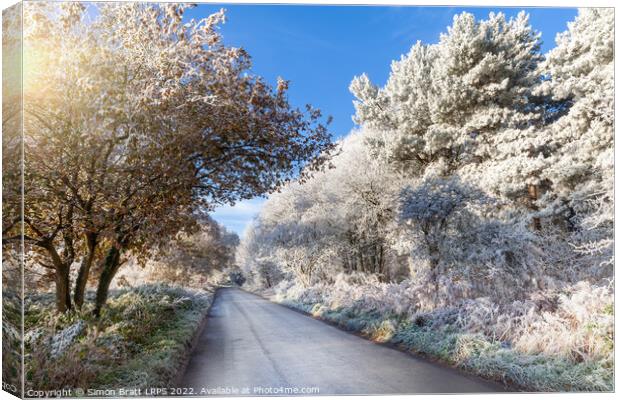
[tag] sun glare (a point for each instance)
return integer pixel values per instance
(36, 61)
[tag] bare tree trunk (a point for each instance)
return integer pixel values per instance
(267, 280)
(63, 297)
(61, 278)
(382, 268)
(532, 191)
(345, 263)
(372, 261)
(434, 257)
(110, 267)
(360, 258)
(84, 271)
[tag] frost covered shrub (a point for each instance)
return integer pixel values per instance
(594, 241)
(556, 340)
(11, 336)
(75, 366)
(575, 323)
(581, 328)
(139, 340)
(463, 250)
(372, 296)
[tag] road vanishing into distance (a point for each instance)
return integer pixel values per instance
(251, 346)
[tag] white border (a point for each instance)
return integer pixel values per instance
(474, 3)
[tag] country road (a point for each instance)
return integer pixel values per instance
(252, 344)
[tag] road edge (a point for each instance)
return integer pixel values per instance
(193, 342)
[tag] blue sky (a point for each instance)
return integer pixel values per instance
(321, 48)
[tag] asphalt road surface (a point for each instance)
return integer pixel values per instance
(251, 346)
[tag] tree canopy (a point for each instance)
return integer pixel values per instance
(137, 120)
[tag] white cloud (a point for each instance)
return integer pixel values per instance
(238, 216)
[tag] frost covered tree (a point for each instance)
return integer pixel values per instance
(482, 83)
(295, 237)
(194, 258)
(340, 220)
(430, 206)
(136, 121)
(461, 249)
(443, 104)
(570, 150)
(580, 169)
(359, 195)
(449, 113)
(255, 260)
(481, 161)
(398, 114)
